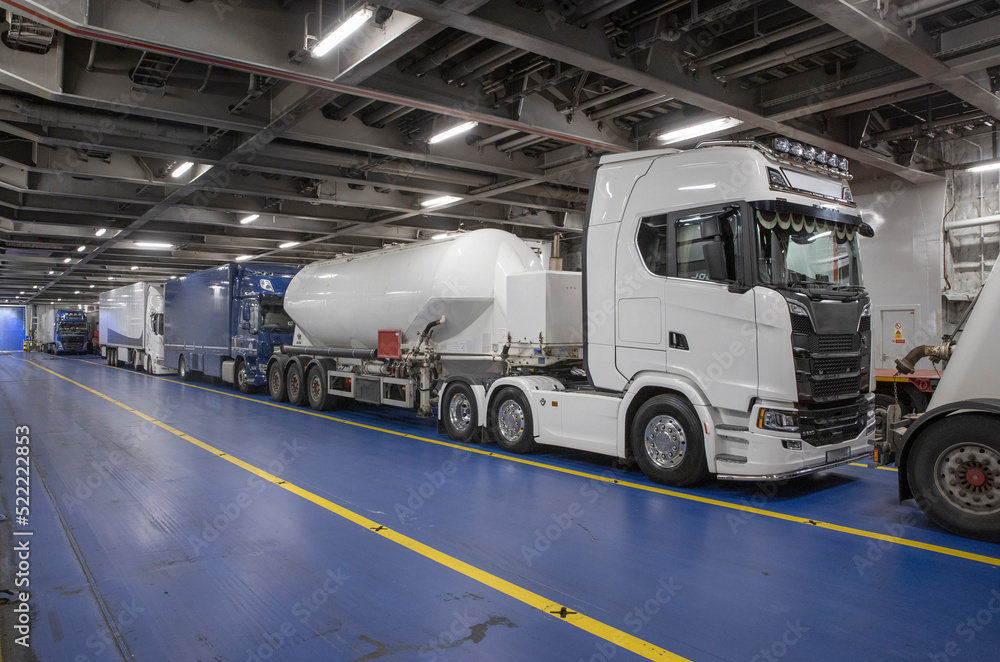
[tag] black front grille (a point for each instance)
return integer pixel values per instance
(866, 324)
(829, 344)
(836, 366)
(822, 426)
(74, 343)
(834, 388)
(801, 324)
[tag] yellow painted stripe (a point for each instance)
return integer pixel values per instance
(550, 608)
(939, 549)
(868, 466)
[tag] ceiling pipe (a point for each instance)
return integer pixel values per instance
(489, 140)
(754, 44)
(631, 106)
(467, 66)
(921, 129)
(922, 8)
(599, 99)
(518, 143)
(404, 110)
(492, 66)
(971, 223)
(376, 116)
(601, 12)
(783, 55)
(653, 12)
(351, 108)
(878, 102)
(443, 54)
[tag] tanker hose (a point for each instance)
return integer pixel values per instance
(906, 365)
(430, 327)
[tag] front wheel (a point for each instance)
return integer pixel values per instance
(668, 442)
(276, 382)
(512, 426)
(294, 384)
(242, 379)
(954, 474)
(459, 411)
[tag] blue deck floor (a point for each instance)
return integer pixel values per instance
(161, 534)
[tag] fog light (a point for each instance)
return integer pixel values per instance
(792, 444)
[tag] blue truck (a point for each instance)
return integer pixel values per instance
(63, 331)
(225, 321)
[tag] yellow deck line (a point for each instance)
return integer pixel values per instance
(948, 551)
(552, 609)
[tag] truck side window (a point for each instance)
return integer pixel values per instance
(652, 244)
(691, 246)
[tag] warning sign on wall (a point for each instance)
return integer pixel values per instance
(898, 336)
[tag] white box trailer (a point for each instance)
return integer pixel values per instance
(131, 327)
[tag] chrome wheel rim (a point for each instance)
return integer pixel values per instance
(664, 441)
(968, 476)
(241, 375)
(293, 386)
(460, 412)
(510, 421)
(315, 388)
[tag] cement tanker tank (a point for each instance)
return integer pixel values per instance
(345, 302)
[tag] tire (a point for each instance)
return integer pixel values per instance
(954, 472)
(319, 398)
(295, 384)
(276, 382)
(459, 412)
(182, 370)
(511, 422)
(241, 378)
(149, 365)
(668, 442)
(110, 357)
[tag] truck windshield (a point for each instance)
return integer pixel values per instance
(796, 250)
(73, 328)
(273, 316)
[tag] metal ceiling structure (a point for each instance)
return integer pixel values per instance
(102, 101)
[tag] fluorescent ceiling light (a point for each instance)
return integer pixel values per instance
(76, 292)
(34, 287)
(152, 244)
(100, 232)
(51, 272)
(133, 268)
(80, 249)
(22, 292)
(437, 202)
(243, 258)
(347, 27)
(67, 259)
(289, 244)
(173, 277)
(91, 287)
(249, 219)
(985, 167)
(452, 132)
(111, 277)
(181, 169)
(699, 130)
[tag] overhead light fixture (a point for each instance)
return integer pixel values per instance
(133, 268)
(92, 287)
(100, 232)
(984, 167)
(173, 278)
(181, 169)
(111, 277)
(438, 201)
(34, 287)
(243, 258)
(153, 244)
(452, 132)
(51, 272)
(22, 292)
(68, 259)
(346, 28)
(76, 292)
(80, 249)
(249, 219)
(58, 299)
(704, 128)
(289, 244)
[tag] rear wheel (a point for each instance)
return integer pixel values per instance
(319, 398)
(149, 365)
(294, 384)
(668, 442)
(110, 355)
(276, 382)
(954, 474)
(512, 426)
(459, 411)
(182, 370)
(242, 379)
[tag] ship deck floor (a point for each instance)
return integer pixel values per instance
(185, 521)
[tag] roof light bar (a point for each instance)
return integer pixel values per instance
(813, 156)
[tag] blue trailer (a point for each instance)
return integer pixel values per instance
(63, 331)
(225, 321)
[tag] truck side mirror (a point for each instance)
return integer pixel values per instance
(866, 230)
(710, 228)
(246, 315)
(715, 259)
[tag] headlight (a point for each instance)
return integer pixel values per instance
(778, 420)
(867, 310)
(797, 309)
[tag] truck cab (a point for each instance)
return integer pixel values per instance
(69, 332)
(260, 324)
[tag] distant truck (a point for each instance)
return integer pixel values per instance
(224, 322)
(131, 323)
(63, 331)
(719, 327)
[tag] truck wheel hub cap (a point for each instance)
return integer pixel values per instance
(665, 441)
(967, 476)
(460, 412)
(511, 421)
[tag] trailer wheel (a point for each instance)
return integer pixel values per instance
(294, 384)
(276, 382)
(149, 365)
(512, 426)
(954, 473)
(459, 411)
(668, 442)
(319, 398)
(242, 379)
(182, 370)
(110, 357)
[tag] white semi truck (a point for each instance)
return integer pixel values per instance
(720, 325)
(131, 327)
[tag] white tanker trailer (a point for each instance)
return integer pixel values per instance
(385, 327)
